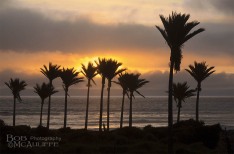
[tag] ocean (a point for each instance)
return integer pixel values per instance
(146, 111)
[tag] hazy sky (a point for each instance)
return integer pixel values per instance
(71, 32)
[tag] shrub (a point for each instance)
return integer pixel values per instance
(130, 132)
(158, 133)
(189, 123)
(2, 123)
(210, 135)
(42, 131)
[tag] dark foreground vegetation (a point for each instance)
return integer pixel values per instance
(189, 137)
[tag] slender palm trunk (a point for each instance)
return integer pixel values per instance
(122, 109)
(87, 107)
(178, 115)
(170, 109)
(42, 103)
(48, 115)
(101, 104)
(108, 105)
(130, 110)
(65, 109)
(14, 111)
(197, 101)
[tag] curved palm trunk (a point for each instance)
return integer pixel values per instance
(197, 101)
(108, 105)
(170, 109)
(178, 115)
(14, 111)
(65, 109)
(130, 110)
(101, 104)
(48, 115)
(42, 103)
(87, 107)
(122, 109)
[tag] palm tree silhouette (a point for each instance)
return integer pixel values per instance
(180, 92)
(123, 81)
(111, 70)
(176, 32)
(52, 72)
(69, 78)
(16, 86)
(133, 84)
(101, 70)
(44, 91)
(89, 72)
(200, 71)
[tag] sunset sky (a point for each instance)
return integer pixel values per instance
(71, 32)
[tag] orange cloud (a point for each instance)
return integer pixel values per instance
(138, 61)
(30, 63)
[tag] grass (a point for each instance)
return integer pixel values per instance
(189, 137)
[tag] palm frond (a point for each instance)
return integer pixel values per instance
(140, 94)
(69, 77)
(44, 90)
(176, 32)
(200, 71)
(164, 34)
(16, 86)
(51, 72)
(181, 91)
(189, 36)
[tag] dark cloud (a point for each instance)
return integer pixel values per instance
(220, 6)
(5, 4)
(223, 5)
(79, 89)
(220, 84)
(5, 76)
(217, 39)
(28, 31)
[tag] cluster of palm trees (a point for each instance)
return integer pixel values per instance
(180, 91)
(177, 30)
(52, 72)
(106, 68)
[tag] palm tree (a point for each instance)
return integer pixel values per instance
(89, 72)
(180, 92)
(112, 70)
(134, 83)
(52, 72)
(176, 32)
(69, 78)
(101, 70)
(200, 71)
(123, 81)
(44, 91)
(16, 86)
